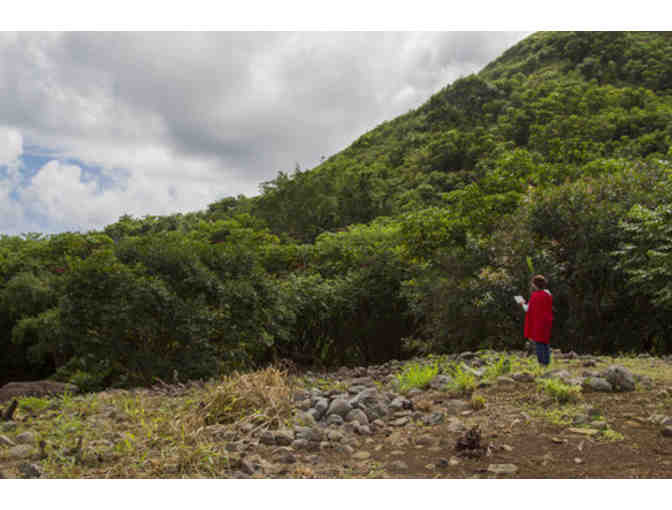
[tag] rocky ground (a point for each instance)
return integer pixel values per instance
(480, 415)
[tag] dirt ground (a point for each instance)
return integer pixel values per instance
(537, 448)
(521, 431)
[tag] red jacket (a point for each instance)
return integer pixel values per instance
(539, 317)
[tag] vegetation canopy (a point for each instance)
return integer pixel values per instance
(413, 240)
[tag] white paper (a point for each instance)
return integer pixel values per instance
(519, 299)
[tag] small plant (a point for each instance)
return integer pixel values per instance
(417, 376)
(477, 402)
(611, 435)
(501, 367)
(463, 381)
(561, 392)
(33, 404)
(563, 416)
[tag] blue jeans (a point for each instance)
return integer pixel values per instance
(543, 353)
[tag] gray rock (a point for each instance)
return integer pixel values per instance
(398, 465)
(314, 414)
(309, 433)
(400, 403)
(376, 410)
(304, 419)
(354, 390)
(522, 377)
(303, 405)
(284, 456)
(340, 407)
(503, 469)
(476, 372)
(321, 405)
(440, 381)
(556, 374)
(644, 380)
(455, 425)
(362, 381)
(467, 355)
(363, 430)
(456, 406)
(300, 395)
(30, 470)
(343, 448)
(425, 440)
(248, 467)
(433, 419)
(363, 455)
(335, 436)
(35, 388)
(620, 378)
(502, 379)
(334, 419)
(284, 437)
(597, 384)
(267, 438)
(5, 441)
(301, 444)
(349, 428)
(400, 422)
(357, 415)
(414, 392)
(599, 425)
(367, 396)
(22, 451)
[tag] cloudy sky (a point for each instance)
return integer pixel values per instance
(94, 125)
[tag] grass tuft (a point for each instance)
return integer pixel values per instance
(559, 391)
(416, 376)
(263, 398)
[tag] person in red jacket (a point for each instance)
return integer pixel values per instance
(539, 318)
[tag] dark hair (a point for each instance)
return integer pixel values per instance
(539, 282)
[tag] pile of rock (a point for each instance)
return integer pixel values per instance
(362, 406)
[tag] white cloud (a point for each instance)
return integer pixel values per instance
(71, 200)
(11, 145)
(207, 114)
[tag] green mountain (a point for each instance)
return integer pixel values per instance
(556, 101)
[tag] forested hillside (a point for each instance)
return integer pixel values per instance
(554, 159)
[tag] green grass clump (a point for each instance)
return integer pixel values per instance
(463, 380)
(417, 376)
(33, 404)
(559, 391)
(500, 367)
(611, 435)
(563, 416)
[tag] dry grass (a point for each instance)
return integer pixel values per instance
(263, 398)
